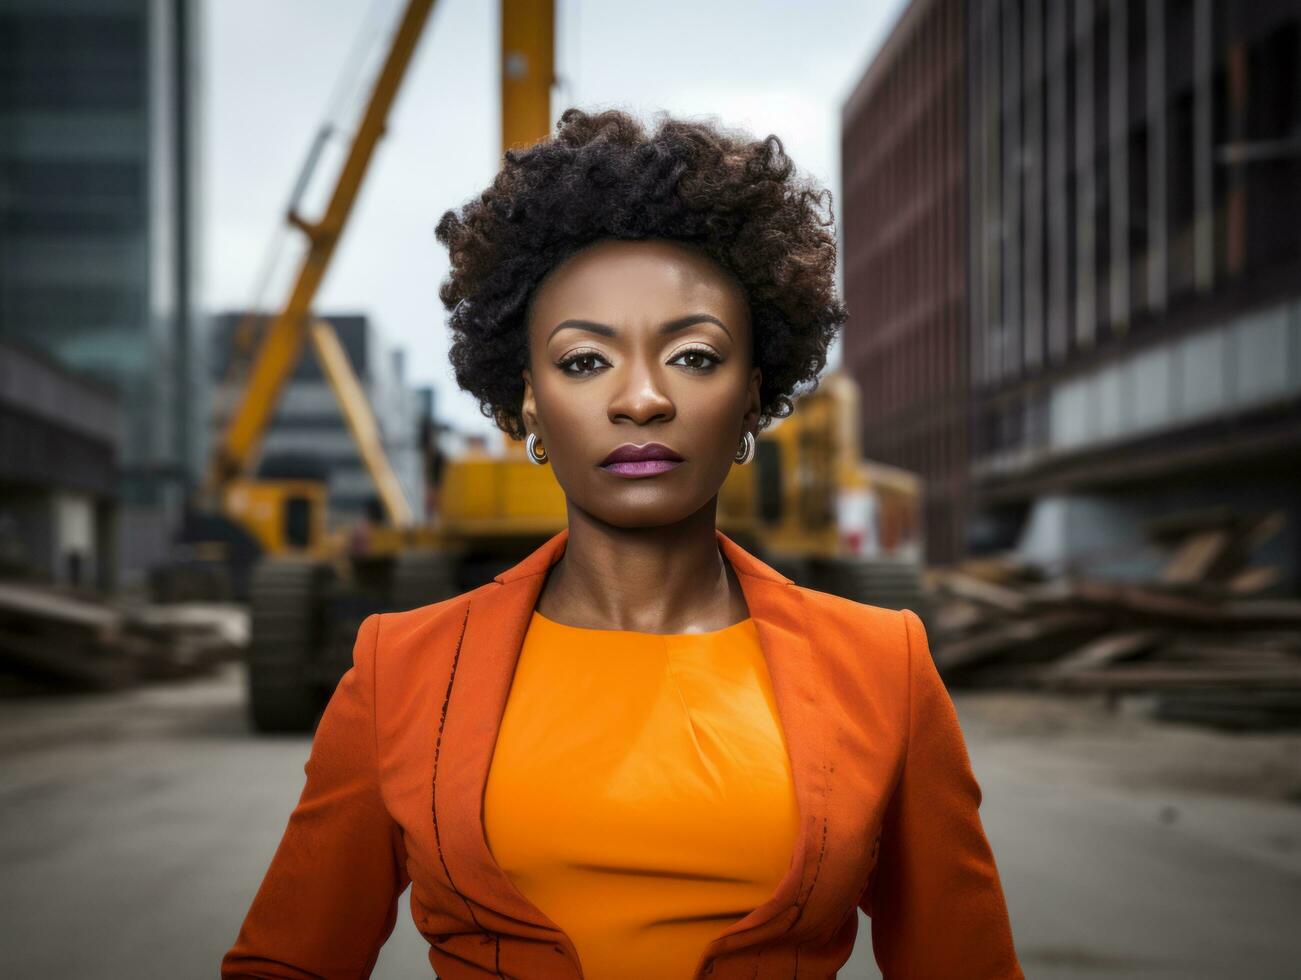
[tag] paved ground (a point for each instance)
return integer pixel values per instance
(135, 828)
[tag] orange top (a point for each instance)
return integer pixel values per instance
(640, 793)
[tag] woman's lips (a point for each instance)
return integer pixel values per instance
(644, 467)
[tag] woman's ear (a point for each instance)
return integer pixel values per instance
(528, 406)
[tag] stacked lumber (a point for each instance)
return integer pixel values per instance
(183, 639)
(58, 638)
(55, 637)
(1201, 637)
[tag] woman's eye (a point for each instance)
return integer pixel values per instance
(579, 358)
(702, 360)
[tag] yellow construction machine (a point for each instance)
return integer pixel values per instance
(820, 513)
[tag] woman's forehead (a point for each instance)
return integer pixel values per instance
(616, 277)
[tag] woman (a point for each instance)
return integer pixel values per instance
(641, 751)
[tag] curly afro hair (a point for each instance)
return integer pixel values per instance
(602, 176)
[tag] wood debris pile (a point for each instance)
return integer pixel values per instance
(52, 638)
(1202, 637)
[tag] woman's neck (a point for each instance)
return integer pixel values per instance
(665, 579)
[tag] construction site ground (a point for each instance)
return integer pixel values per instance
(136, 826)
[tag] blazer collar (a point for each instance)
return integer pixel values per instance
(483, 668)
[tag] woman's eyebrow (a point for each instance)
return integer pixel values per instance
(605, 330)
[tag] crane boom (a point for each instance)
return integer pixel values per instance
(282, 343)
(528, 69)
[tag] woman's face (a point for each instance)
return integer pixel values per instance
(634, 342)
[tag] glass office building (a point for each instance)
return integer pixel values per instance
(98, 170)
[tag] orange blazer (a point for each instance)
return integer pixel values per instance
(397, 770)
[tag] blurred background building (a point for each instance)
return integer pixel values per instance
(98, 235)
(59, 443)
(309, 429)
(903, 204)
(1074, 228)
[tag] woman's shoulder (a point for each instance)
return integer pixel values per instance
(838, 612)
(863, 638)
(409, 637)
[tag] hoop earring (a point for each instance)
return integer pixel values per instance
(529, 446)
(746, 452)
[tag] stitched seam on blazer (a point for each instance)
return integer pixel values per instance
(438, 745)
(817, 868)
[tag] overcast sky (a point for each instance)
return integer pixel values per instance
(271, 68)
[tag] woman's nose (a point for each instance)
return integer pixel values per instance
(641, 396)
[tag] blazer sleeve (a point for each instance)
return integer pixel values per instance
(935, 899)
(329, 900)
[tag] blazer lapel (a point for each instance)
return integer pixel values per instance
(483, 669)
(484, 666)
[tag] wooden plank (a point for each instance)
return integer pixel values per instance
(986, 593)
(1193, 560)
(1004, 639)
(1002, 569)
(1106, 650)
(38, 603)
(1250, 581)
(1147, 602)
(1251, 534)
(955, 618)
